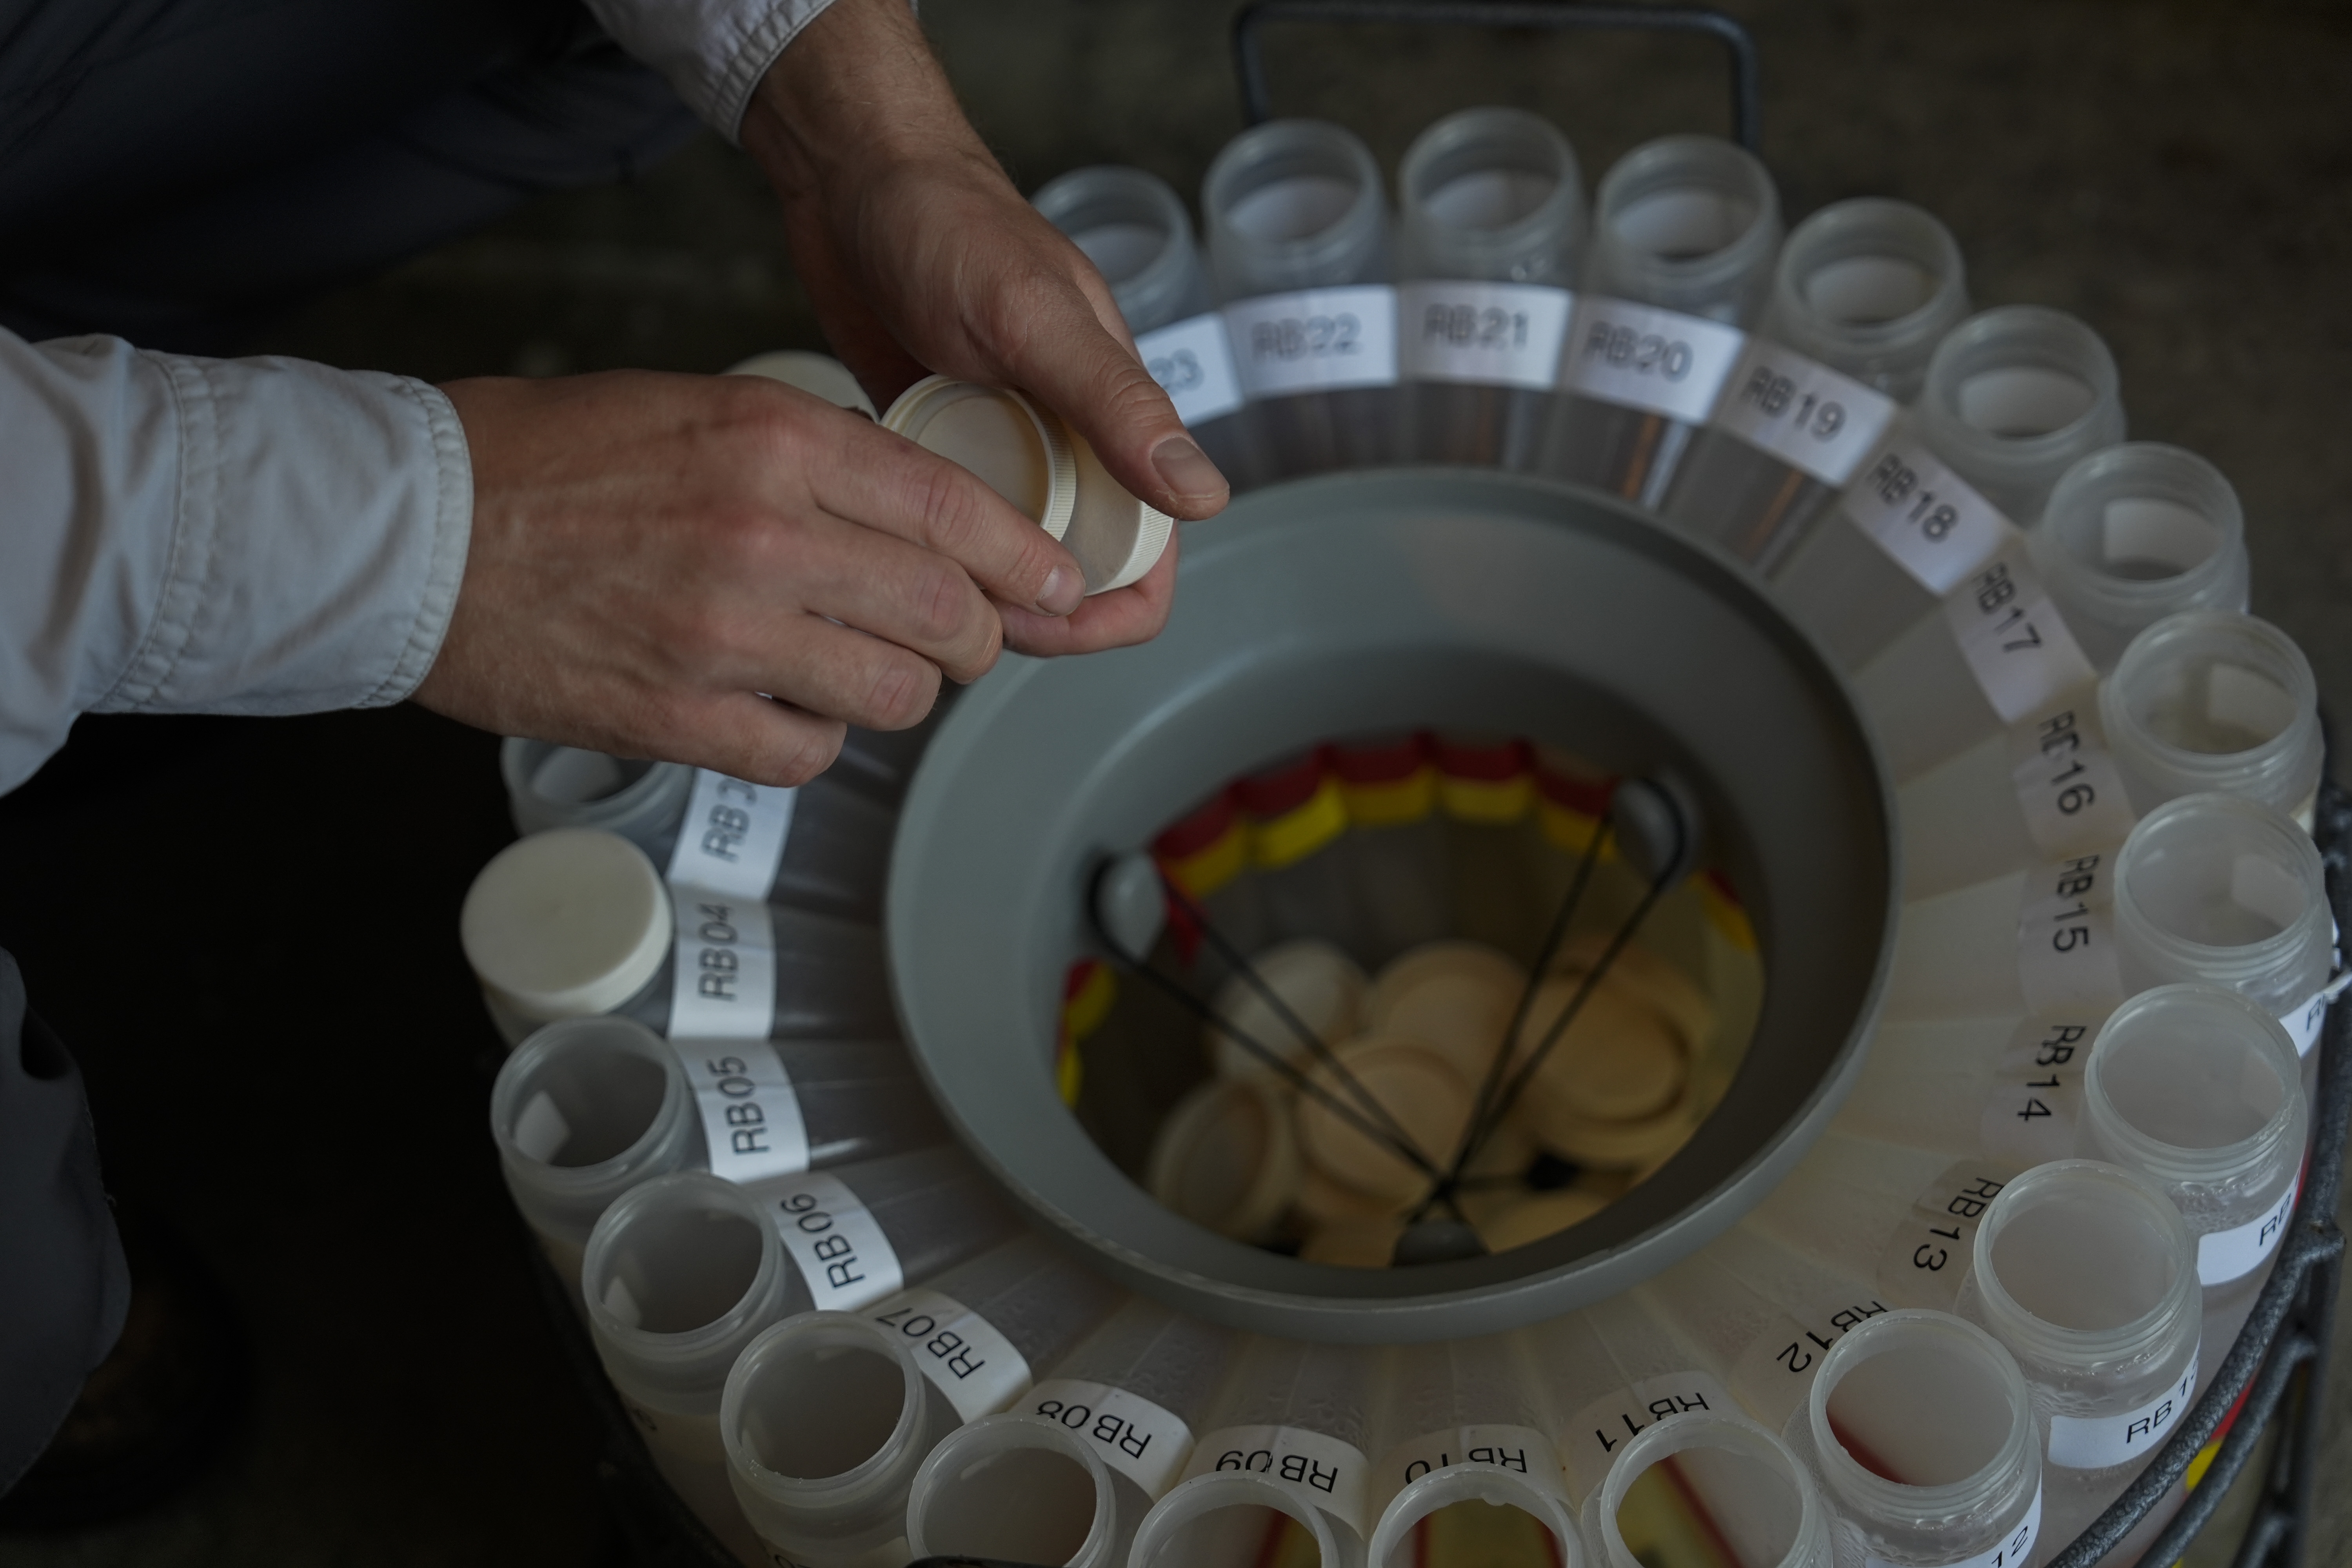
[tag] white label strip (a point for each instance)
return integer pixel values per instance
(1638, 356)
(2013, 1550)
(2011, 635)
(2067, 786)
(1775, 1373)
(1804, 412)
(1925, 517)
(1522, 1450)
(2233, 1254)
(2098, 1442)
(1193, 363)
(732, 836)
(1923, 1260)
(1319, 339)
(2065, 938)
(960, 1352)
(751, 1116)
(1485, 334)
(1330, 1474)
(2303, 1024)
(1590, 1440)
(839, 1247)
(2037, 1097)
(1136, 1437)
(723, 979)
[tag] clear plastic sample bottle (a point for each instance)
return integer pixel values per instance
(2087, 1275)
(2215, 701)
(587, 1108)
(1605, 1375)
(1685, 229)
(1016, 1489)
(1291, 1422)
(1922, 1433)
(1297, 228)
(1941, 689)
(823, 846)
(1863, 292)
(1490, 231)
(575, 921)
(1463, 1423)
(2198, 1090)
(2015, 396)
(1135, 230)
(1715, 1473)
(2224, 890)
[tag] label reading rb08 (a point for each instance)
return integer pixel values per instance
(1140, 1440)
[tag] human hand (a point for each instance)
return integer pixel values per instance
(651, 552)
(921, 256)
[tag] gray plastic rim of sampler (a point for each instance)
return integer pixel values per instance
(1368, 603)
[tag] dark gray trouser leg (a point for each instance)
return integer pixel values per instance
(64, 1288)
(175, 170)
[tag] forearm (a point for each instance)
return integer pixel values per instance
(859, 89)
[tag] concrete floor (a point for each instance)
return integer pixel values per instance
(2179, 176)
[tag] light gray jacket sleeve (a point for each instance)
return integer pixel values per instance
(181, 535)
(714, 52)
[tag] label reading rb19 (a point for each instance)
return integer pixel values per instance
(1818, 421)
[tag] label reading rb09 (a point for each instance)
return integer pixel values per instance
(1193, 363)
(1328, 1473)
(1483, 334)
(723, 975)
(752, 1126)
(1140, 1440)
(834, 1240)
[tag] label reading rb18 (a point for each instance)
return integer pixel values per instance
(1928, 520)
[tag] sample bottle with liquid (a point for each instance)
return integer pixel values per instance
(1459, 1431)
(1135, 230)
(1686, 230)
(587, 1108)
(1280, 1458)
(575, 921)
(1951, 682)
(1490, 231)
(2209, 701)
(2087, 1275)
(1863, 292)
(1715, 1476)
(2198, 1090)
(2015, 396)
(1297, 228)
(1922, 1432)
(828, 1415)
(1131, 1396)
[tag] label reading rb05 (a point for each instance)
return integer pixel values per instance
(752, 1126)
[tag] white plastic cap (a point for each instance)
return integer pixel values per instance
(1116, 538)
(566, 923)
(1227, 1157)
(1015, 448)
(814, 374)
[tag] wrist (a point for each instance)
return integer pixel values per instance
(858, 89)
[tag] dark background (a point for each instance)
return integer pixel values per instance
(246, 928)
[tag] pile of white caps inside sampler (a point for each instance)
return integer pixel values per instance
(1948, 1329)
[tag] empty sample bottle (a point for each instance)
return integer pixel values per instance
(2057, 783)
(2214, 701)
(1719, 1475)
(1863, 292)
(1015, 1488)
(1941, 689)
(1297, 226)
(1685, 229)
(1606, 1374)
(1490, 230)
(1293, 1417)
(824, 1420)
(1463, 1422)
(1898, 1217)
(1135, 230)
(2221, 889)
(2134, 534)
(1922, 1432)
(2198, 1090)
(587, 1108)
(2087, 1275)
(1132, 1392)
(823, 846)
(2014, 398)
(574, 922)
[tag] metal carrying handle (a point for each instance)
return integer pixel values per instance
(1249, 64)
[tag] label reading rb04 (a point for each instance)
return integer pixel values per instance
(723, 973)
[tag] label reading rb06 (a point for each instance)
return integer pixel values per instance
(834, 1240)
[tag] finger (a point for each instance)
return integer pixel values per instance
(838, 673)
(890, 485)
(1118, 619)
(748, 736)
(877, 584)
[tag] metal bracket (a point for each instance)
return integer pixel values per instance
(1739, 44)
